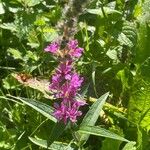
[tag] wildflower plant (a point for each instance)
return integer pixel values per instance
(65, 85)
(66, 82)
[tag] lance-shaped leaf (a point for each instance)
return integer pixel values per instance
(54, 146)
(92, 116)
(98, 131)
(42, 108)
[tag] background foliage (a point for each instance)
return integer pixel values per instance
(115, 35)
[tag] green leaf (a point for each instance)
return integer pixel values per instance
(32, 55)
(129, 29)
(5, 145)
(139, 104)
(126, 78)
(10, 83)
(92, 116)
(54, 146)
(112, 53)
(2, 10)
(42, 108)
(142, 51)
(49, 34)
(16, 54)
(115, 144)
(56, 132)
(98, 131)
(8, 26)
(30, 3)
(130, 146)
(10, 99)
(124, 40)
(107, 10)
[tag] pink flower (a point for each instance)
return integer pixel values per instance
(70, 88)
(65, 69)
(76, 81)
(60, 112)
(75, 51)
(72, 114)
(56, 79)
(53, 48)
(65, 112)
(73, 44)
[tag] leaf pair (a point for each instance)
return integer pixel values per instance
(87, 126)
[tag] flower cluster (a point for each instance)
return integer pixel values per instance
(65, 82)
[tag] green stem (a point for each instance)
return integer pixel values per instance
(38, 127)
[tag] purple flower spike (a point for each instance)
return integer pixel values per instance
(53, 48)
(66, 82)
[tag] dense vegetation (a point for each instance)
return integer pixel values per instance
(115, 35)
